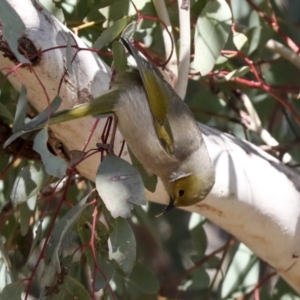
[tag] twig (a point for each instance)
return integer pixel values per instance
(162, 13)
(256, 126)
(185, 50)
(284, 52)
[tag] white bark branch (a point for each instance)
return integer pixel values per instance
(256, 198)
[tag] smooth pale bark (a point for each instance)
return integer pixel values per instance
(255, 197)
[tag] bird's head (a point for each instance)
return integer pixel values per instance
(187, 190)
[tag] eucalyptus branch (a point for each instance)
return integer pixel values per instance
(257, 127)
(284, 52)
(184, 50)
(162, 13)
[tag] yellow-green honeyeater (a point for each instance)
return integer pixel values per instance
(159, 129)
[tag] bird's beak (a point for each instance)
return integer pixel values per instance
(167, 208)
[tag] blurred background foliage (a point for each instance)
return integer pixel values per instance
(179, 255)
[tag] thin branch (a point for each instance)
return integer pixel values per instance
(284, 52)
(162, 13)
(185, 50)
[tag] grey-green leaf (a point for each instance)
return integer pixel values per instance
(150, 182)
(143, 280)
(59, 233)
(20, 111)
(54, 165)
(242, 274)
(119, 184)
(28, 183)
(71, 289)
(44, 115)
(237, 73)
(12, 28)
(123, 246)
(69, 54)
(6, 113)
(211, 33)
(12, 291)
(120, 59)
(111, 33)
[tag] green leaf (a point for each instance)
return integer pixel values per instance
(12, 291)
(71, 289)
(44, 115)
(53, 249)
(12, 28)
(54, 165)
(123, 245)
(28, 182)
(25, 216)
(258, 37)
(107, 272)
(120, 59)
(119, 184)
(198, 233)
(69, 56)
(129, 31)
(283, 291)
(212, 31)
(240, 40)
(20, 111)
(199, 280)
(111, 33)
(242, 274)
(237, 73)
(84, 228)
(141, 280)
(6, 262)
(37, 121)
(6, 113)
(12, 138)
(150, 182)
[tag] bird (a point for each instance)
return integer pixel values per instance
(158, 127)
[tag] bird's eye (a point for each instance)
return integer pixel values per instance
(181, 193)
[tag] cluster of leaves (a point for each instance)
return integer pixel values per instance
(60, 241)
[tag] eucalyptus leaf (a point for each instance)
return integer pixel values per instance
(20, 111)
(141, 280)
(211, 33)
(69, 56)
(240, 40)
(28, 183)
(242, 274)
(150, 182)
(44, 115)
(54, 165)
(71, 289)
(104, 274)
(119, 184)
(103, 271)
(123, 245)
(12, 28)
(12, 291)
(120, 59)
(12, 138)
(129, 30)
(237, 73)
(53, 249)
(111, 33)
(25, 215)
(6, 113)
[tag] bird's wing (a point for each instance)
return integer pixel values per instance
(158, 95)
